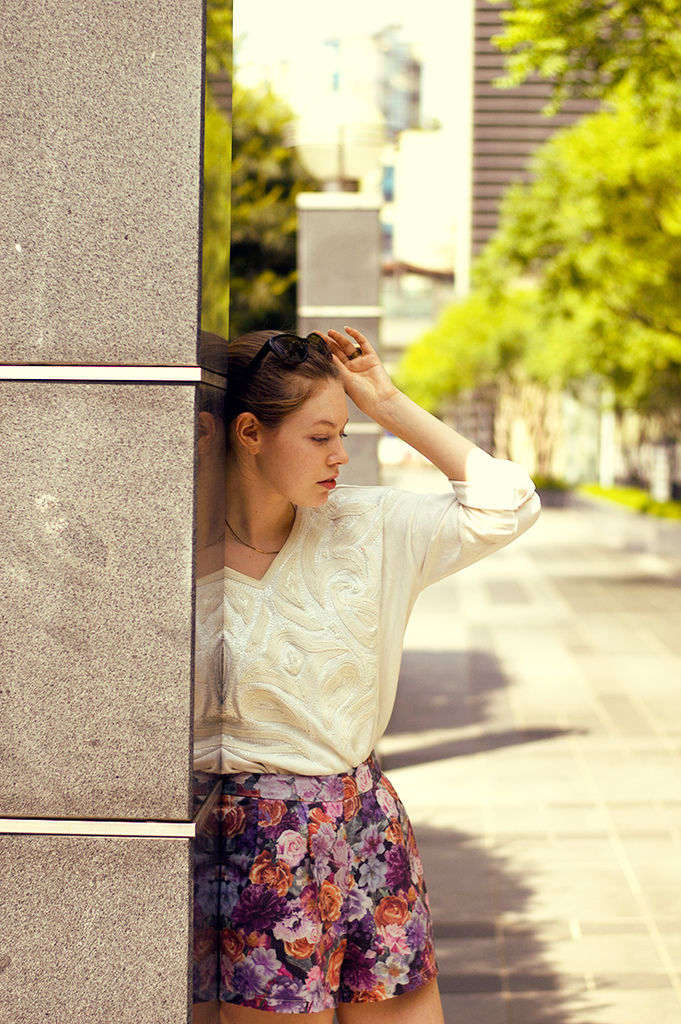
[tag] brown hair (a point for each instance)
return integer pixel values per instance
(273, 390)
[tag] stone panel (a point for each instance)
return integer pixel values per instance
(96, 590)
(338, 251)
(100, 150)
(95, 930)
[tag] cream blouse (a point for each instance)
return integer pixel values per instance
(297, 672)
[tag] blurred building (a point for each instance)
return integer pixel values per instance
(507, 124)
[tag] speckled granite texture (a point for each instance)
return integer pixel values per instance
(94, 930)
(348, 272)
(99, 231)
(96, 592)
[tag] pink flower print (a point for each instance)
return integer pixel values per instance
(395, 938)
(363, 778)
(291, 847)
(386, 802)
(274, 787)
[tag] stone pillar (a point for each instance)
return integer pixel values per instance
(339, 279)
(99, 294)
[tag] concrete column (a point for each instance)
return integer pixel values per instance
(99, 294)
(339, 276)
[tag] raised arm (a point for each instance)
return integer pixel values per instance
(368, 385)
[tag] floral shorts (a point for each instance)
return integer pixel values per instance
(316, 898)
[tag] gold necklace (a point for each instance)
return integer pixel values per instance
(251, 546)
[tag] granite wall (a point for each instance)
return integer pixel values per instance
(100, 150)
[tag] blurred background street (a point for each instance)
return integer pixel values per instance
(536, 743)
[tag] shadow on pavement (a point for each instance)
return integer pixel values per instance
(452, 690)
(469, 745)
(495, 962)
(495, 958)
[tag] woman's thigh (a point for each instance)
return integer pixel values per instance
(231, 1014)
(420, 1006)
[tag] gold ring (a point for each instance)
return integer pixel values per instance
(357, 352)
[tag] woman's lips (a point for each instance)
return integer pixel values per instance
(329, 484)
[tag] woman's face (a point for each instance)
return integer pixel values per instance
(301, 458)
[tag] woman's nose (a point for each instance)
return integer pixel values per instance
(339, 456)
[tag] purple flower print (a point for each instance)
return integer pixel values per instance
(357, 905)
(399, 869)
(357, 969)
(416, 932)
(372, 874)
(252, 976)
(258, 908)
(333, 789)
(372, 842)
(289, 995)
(315, 985)
(393, 971)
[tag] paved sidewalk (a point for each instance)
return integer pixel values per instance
(537, 745)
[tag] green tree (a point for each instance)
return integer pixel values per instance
(266, 178)
(217, 178)
(588, 47)
(251, 179)
(593, 242)
(599, 231)
(472, 343)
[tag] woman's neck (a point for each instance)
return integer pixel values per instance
(255, 516)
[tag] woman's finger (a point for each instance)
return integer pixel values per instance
(352, 347)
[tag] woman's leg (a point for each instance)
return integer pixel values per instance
(230, 1014)
(421, 1006)
(206, 1013)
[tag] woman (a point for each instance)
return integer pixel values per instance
(322, 901)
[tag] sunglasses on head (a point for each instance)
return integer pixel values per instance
(290, 348)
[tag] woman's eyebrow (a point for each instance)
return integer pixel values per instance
(328, 423)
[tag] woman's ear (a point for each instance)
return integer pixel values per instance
(248, 432)
(208, 429)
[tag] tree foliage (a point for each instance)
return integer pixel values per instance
(588, 47)
(599, 230)
(266, 178)
(594, 239)
(471, 344)
(217, 178)
(251, 179)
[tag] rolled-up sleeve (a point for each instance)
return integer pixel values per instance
(436, 535)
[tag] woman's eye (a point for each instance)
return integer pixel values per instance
(320, 440)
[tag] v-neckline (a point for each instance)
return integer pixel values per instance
(253, 581)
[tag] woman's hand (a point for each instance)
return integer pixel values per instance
(371, 389)
(363, 375)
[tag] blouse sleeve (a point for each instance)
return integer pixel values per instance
(435, 535)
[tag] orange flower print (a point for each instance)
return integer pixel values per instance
(391, 910)
(205, 941)
(394, 834)
(271, 812)
(300, 948)
(334, 968)
(232, 945)
(350, 798)
(317, 818)
(374, 995)
(234, 821)
(275, 875)
(330, 901)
